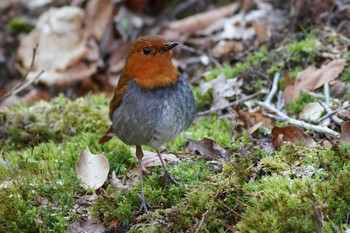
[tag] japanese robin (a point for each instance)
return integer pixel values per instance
(152, 103)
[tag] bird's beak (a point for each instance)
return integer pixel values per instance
(168, 46)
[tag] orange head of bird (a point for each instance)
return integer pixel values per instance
(149, 62)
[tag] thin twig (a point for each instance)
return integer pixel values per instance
(273, 89)
(326, 93)
(318, 217)
(284, 117)
(228, 105)
(333, 112)
(326, 107)
(24, 83)
(280, 100)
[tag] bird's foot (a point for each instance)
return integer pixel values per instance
(144, 207)
(169, 178)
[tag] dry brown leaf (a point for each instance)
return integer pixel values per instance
(311, 112)
(63, 45)
(119, 185)
(98, 16)
(345, 132)
(242, 116)
(261, 31)
(191, 25)
(92, 170)
(206, 147)
(257, 116)
(222, 88)
(151, 159)
(226, 47)
(253, 128)
(331, 71)
(312, 78)
(291, 134)
(86, 226)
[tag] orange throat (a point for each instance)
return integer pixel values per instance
(151, 75)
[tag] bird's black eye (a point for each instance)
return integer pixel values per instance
(146, 50)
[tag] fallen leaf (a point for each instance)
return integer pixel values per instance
(119, 185)
(257, 117)
(331, 71)
(222, 88)
(193, 24)
(206, 147)
(311, 112)
(63, 44)
(242, 116)
(291, 134)
(225, 47)
(261, 31)
(345, 132)
(86, 226)
(312, 78)
(253, 128)
(151, 159)
(98, 16)
(92, 170)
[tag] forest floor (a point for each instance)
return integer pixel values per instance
(267, 152)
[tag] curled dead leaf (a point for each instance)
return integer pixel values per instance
(151, 159)
(291, 134)
(207, 148)
(92, 170)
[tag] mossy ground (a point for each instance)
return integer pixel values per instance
(254, 192)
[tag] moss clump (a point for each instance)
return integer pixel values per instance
(296, 106)
(217, 129)
(309, 47)
(59, 119)
(345, 76)
(121, 205)
(20, 24)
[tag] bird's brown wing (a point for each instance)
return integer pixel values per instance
(114, 104)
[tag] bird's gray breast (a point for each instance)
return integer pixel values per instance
(153, 117)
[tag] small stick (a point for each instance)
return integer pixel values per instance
(273, 89)
(328, 109)
(333, 112)
(24, 83)
(283, 117)
(318, 217)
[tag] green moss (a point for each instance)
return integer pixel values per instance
(19, 24)
(203, 102)
(345, 76)
(296, 106)
(121, 205)
(57, 120)
(308, 47)
(218, 129)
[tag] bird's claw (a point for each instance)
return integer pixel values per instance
(169, 178)
(144, 208)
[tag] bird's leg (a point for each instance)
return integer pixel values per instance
(167, 176)
(139, 155)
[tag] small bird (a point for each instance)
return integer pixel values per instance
(152, 103)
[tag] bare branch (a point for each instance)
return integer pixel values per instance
(283, 117)
(24, 83)
(273, 89)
